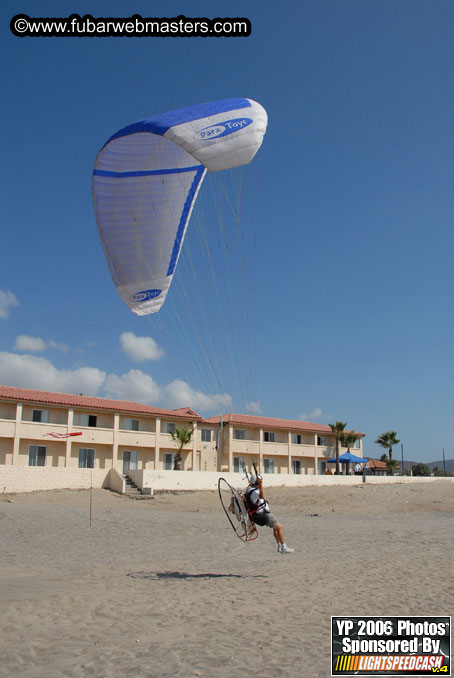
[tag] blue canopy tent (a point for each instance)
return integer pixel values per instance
(348, 457)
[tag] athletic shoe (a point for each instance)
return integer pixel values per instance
(286, 549)
(279, 548)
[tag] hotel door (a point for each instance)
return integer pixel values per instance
(129, 461)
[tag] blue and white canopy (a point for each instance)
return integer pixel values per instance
(348, 457)
(146, 180)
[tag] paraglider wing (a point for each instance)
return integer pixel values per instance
(145, 183)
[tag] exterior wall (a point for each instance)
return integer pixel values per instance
(7, 411)
(108, 438)
(34, 478)
(281, 451)
(186, 464)
(251, 434)
(309, 439)
(103, 455)
(56, 415)
(6, 451)
(103, 419)
(243, 448)
(249, 459)
(55, 453)
(280, 466)
(307, 466)
(7, 429)
(146, 424)
(274, 449)
(145, 457)
(223, 462)
(279, 436)
(180, 480)
(206, 455)
(136, 439)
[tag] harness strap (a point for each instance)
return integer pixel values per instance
(247, 495)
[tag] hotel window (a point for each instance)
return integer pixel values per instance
(41, 416)
(296, 439)
(169, 461)
(129, 460)
(131, 424)
(81, 419)
(268, 436)
(239, 433)
(268, 465)
(169, 427)
(36, 455)
(86, 457)
(296, 466)
(206, 435)
(239, 465)
(321, 440)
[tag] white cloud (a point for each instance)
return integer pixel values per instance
(58, 346)
(315, 414)
(140, 349)
(135, 386)
(179, 394)
(139, 387)
(32, 344)
(7, 301)
(254, 408)
(36, 345)
(29, 371)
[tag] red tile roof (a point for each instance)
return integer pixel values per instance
(378, 465)
(90, 402)
(95, 403)
(186, 410)
(269, 422)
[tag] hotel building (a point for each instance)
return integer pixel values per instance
(40, 428)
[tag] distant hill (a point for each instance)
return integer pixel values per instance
(449, 463)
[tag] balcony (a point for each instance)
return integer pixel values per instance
(137, 438)
(8, 428)
(243, 446)
(275, 449)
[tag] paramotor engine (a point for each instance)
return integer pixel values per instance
(236, 510)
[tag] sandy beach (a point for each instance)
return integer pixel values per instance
(162, 588)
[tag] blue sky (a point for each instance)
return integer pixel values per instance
(340, 273)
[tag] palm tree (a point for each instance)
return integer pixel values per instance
(387, 440)
(182, 437)
(390, 464)
(348, 439)
(338, 429)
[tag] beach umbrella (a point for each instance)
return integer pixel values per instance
(348, 457)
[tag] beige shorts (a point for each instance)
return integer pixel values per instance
(267, 519)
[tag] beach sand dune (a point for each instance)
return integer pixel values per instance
(162, 587)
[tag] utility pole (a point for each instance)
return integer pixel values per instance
(444, 463)
(402, 454)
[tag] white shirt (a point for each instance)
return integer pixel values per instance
(255, 498)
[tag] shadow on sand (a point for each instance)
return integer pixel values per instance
(189, 575)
